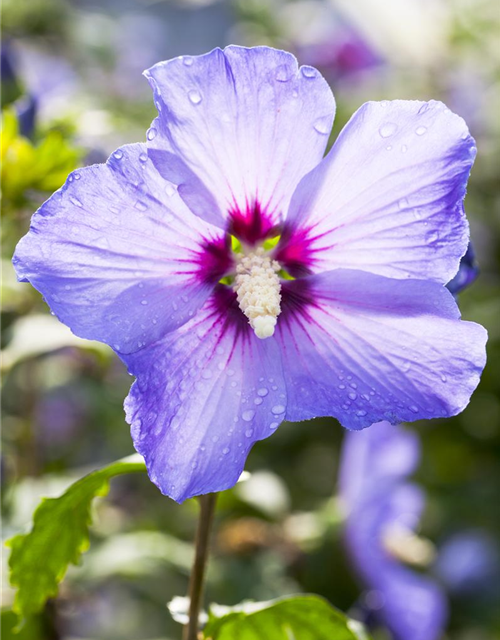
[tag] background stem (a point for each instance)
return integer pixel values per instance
(207, 508)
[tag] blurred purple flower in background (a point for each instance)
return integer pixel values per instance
(469, 564)
(341, 56)
(382, 512)
(467, 272)
(229, 226)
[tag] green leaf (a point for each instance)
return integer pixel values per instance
(40, 558)
(302, 617)
(32, 630)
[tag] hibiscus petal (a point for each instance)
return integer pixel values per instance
(388, 198)
(365, 348)
(238, 127)
(116, 253)
(203, 396)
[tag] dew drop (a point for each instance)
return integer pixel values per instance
(77, 176)
(403, 203)
(151, 135)
(170, 189)
(413, 408)
(207, 374)
(295, 93)
(277, 409)
(140, 206)
(194, 96)
(225, 451)
(420, 131)
(353, 396)
(75, 201)
(144, 302)
(258, 401)
(282, 73)
(249, 433)
(262, 392)
(388, 129)
(308, 72)
(143, 157)
(215, 439)
(322, 126)
(248, 415)
(404, 148)
(274, 425)
(361, 413)
(187, 60)
(341, 386)
(444, 378)
(118, 154)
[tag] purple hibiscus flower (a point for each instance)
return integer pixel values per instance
(228, 226)
(383, 510)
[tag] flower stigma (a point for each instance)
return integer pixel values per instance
(258, 290)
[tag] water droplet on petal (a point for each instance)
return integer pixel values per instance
(283, 73)
(170, 189)
(274, 425)
(262, 392)
(388, 129)
(420, 131)
(322, 126)
(77, 176)
(143, 157)
(248, 415)
(308, 72)
(225, 451)
(75, 201)
(444, 378)
(413, 408)
(277, 409)
(194, 96)
(353, 395)
(151, 135)
(144, 302)
(403, 203)
(118, 154)
(187, 60)
(258, 401)
(404, 148)
(249, 433)
(361, 413)
(140, 206)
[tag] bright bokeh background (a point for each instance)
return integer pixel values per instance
(71, 81)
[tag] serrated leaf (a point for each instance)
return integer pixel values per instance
(301, 617)
(60, 534)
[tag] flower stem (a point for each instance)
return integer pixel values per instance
(207, 509)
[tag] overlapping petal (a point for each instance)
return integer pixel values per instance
(388, 197)
(116, 253)
(203, 396)
(238, 127)
(380, 503)
(364, 348)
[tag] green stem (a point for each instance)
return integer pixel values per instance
(207, 509)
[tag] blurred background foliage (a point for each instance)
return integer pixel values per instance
(72, 92)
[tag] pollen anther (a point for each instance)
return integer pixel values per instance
(257, 287)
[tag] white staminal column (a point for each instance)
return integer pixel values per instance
(257, 286)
